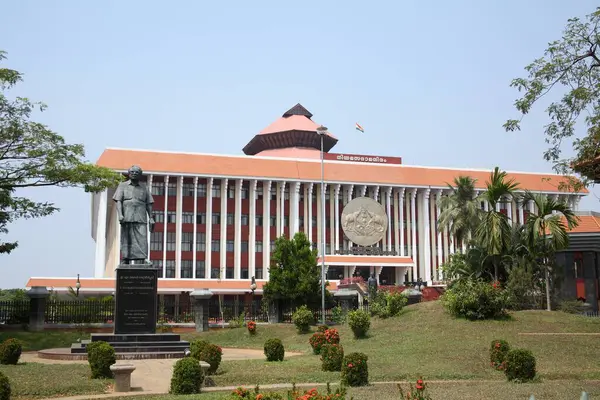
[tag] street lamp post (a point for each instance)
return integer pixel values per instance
(322, 131)
(253, 288)
(77, 286)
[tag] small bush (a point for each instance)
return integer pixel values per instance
(571, 306)
(101, 356)
(498, 351)
(196, 348)
(475, 300)
(251, 325)
(212, 354)
(322, 328)
(274, 350)
(317, 340)
(332, 336)
(355, 371)
(10, 351)
(4, 387)
(313, 394)
(187, 377)
(359, 322)
(338, 315)
(520, 365)
(395, 303)
(332, 356)
(418, 392)
(303, 318)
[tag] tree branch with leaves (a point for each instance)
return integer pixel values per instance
(32, 155)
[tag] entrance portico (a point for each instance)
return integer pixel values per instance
(354, 265)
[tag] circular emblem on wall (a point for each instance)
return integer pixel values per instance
(364, 221)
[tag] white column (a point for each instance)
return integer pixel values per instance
(178, 226)
(308, 200)
(363, 190)
(576, 202)
(332, 195)
(376, 193)
(320, 210)
(208, 235)
(350, 192)
(266, 228)
(165, 228)
(252, 230)
(100, 260)
(427, 237)
(400, 223)
(336, 219)
(521, 214)
(440, 246)
(413, 224)
(223, 248)
(195, 231)
(294, 208)
(486, 206)
(432, 237)
(281, 209)
(149, 187)
(237, 231)
(509, 209)
(388, 202)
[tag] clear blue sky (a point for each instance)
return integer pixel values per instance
(428, 80)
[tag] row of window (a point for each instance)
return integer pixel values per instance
(158, 189)
(187, 243)
(187, 270)
(187, 217)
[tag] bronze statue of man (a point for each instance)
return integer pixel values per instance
(134, 210)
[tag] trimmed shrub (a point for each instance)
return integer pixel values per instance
(332, 356)
(196, 348)
(4, 387)
(332, 336)
(317, 340)
(101, 356)
(274, 350)
(10, 351)
(476, 300)
(395, 303)
(251, 325)
(212, 354)
(359, 322)
(303, 318)
(322, 328)
(520, 365)
(355, 371)
(498, 351)
(187, 377)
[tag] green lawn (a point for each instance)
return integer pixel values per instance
(35, 381)
(424, 341)
(33, 341)
(448, 391)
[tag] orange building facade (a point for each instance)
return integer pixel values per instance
(218, 216)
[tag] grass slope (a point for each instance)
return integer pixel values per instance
(424, 341)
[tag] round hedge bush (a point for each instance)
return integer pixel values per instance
(498, 351)
(303, 318)
(359, 322)
(212, 354)
(476, 300)
(10, 351)
(316, 341)
(4, 387)
(520, 365)
(355, 371)
(101, 356)
(332, 336)
(274, 350)
(332, 356)
(322, 328)
(187, 377)
(196, 348)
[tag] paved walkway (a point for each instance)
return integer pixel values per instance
(154, 376)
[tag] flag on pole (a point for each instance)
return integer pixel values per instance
(359, 128)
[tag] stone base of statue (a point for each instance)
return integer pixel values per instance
(136, 311)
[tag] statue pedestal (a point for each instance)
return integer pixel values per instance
(136, 299)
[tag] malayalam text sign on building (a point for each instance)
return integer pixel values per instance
(363, 158)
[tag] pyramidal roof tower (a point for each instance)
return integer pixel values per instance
(294, 134)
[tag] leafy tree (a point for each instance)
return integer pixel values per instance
(459, 211)
(494, 232)
(294, 275)
(571, 64)
(546, 230)
(31, 155)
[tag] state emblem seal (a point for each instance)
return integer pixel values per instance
(364, 221)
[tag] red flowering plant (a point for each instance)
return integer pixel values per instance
(251, 325)
(417, 392)
(498, 351)
(332, 336)
(496, 285)
(317, 340)
(313, 394)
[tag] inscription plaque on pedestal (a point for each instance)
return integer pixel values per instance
(136, 300)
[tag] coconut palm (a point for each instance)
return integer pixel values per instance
(460, 213)
(494, 232)
(547, 232)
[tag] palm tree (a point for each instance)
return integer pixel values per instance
(494, 232)
(546, 230)
(460, 213)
